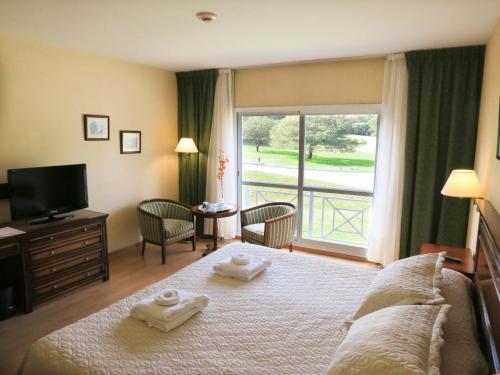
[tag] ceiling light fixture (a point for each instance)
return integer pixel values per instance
(206, 17)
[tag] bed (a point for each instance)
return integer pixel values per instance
(288, 320)
(283, 321)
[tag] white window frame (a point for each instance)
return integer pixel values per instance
(302, 111)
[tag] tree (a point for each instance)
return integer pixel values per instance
(286, 133)
(361, 124)
(256, 129)
(372, 126)
(327, 131)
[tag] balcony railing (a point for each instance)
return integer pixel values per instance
(329, 215)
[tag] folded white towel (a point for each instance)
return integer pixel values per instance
(245, 272)
(168, 297)
(149, 310)
(240, 259)
(167, 326)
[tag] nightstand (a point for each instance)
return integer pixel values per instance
(464, 254)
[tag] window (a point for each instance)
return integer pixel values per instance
(320, 159)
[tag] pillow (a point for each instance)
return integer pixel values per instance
(409, 281)
(395, 340)
(461, 353)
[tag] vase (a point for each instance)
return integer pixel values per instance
(221, 197)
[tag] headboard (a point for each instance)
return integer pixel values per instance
(487, 283)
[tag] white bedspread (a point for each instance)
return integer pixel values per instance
(285, 321)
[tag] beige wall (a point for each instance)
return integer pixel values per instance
(486, 164)
(43, 93)
(333, 82)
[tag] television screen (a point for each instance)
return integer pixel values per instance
(47, 191)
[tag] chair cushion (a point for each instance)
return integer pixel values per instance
(253, 233)
(176, 227)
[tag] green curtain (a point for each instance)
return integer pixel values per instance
(195, 96)
(444, 90)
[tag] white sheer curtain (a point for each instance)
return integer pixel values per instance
(222, 139)
(383, 246)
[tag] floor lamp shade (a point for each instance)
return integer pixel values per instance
(186, 146)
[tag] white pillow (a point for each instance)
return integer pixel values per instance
(461, 354)
(409, 281)
(393, 341)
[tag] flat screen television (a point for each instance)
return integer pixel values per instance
(47, 193)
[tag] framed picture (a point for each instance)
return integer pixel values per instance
(498, 132)
(96, 127)
(130, 142)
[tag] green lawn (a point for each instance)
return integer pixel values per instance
(320, 160)
(259, 176)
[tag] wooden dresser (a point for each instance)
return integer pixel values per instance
(61, 256)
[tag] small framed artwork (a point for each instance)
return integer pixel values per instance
(130, 142)
(96, 127)
(498, 131)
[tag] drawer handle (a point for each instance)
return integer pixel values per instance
(54, 269)
(87, 259)
(52, 252)
(85, 242)
(51, 237)
(88, 274)
(54, 286)
(85, 229)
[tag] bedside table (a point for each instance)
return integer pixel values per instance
(464, 254)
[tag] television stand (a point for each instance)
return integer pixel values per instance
(56, 257)
(46, 219)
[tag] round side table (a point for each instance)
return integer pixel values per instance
(214, 215)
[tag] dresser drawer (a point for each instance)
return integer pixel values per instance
(66, 264)
(10, 249)
(52, 239)
(53, 253)
(67, 282)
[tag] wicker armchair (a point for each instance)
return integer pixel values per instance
(163, 221)
(270, 224)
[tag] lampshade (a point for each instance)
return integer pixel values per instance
(186, 146)
(462, 183)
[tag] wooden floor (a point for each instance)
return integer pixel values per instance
(129, 272)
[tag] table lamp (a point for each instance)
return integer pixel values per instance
(462, 183)
(186, 146)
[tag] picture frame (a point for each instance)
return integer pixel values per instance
(498, 131)
(130, 142)
(96, 127)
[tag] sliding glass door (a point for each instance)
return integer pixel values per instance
(323, 162)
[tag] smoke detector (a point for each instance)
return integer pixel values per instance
(206, 17)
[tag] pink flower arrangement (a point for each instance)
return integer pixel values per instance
(222, 166)
(220, 172)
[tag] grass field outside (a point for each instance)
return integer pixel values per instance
(258, 176)
(321, 159)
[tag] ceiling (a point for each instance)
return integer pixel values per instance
(167, 34)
